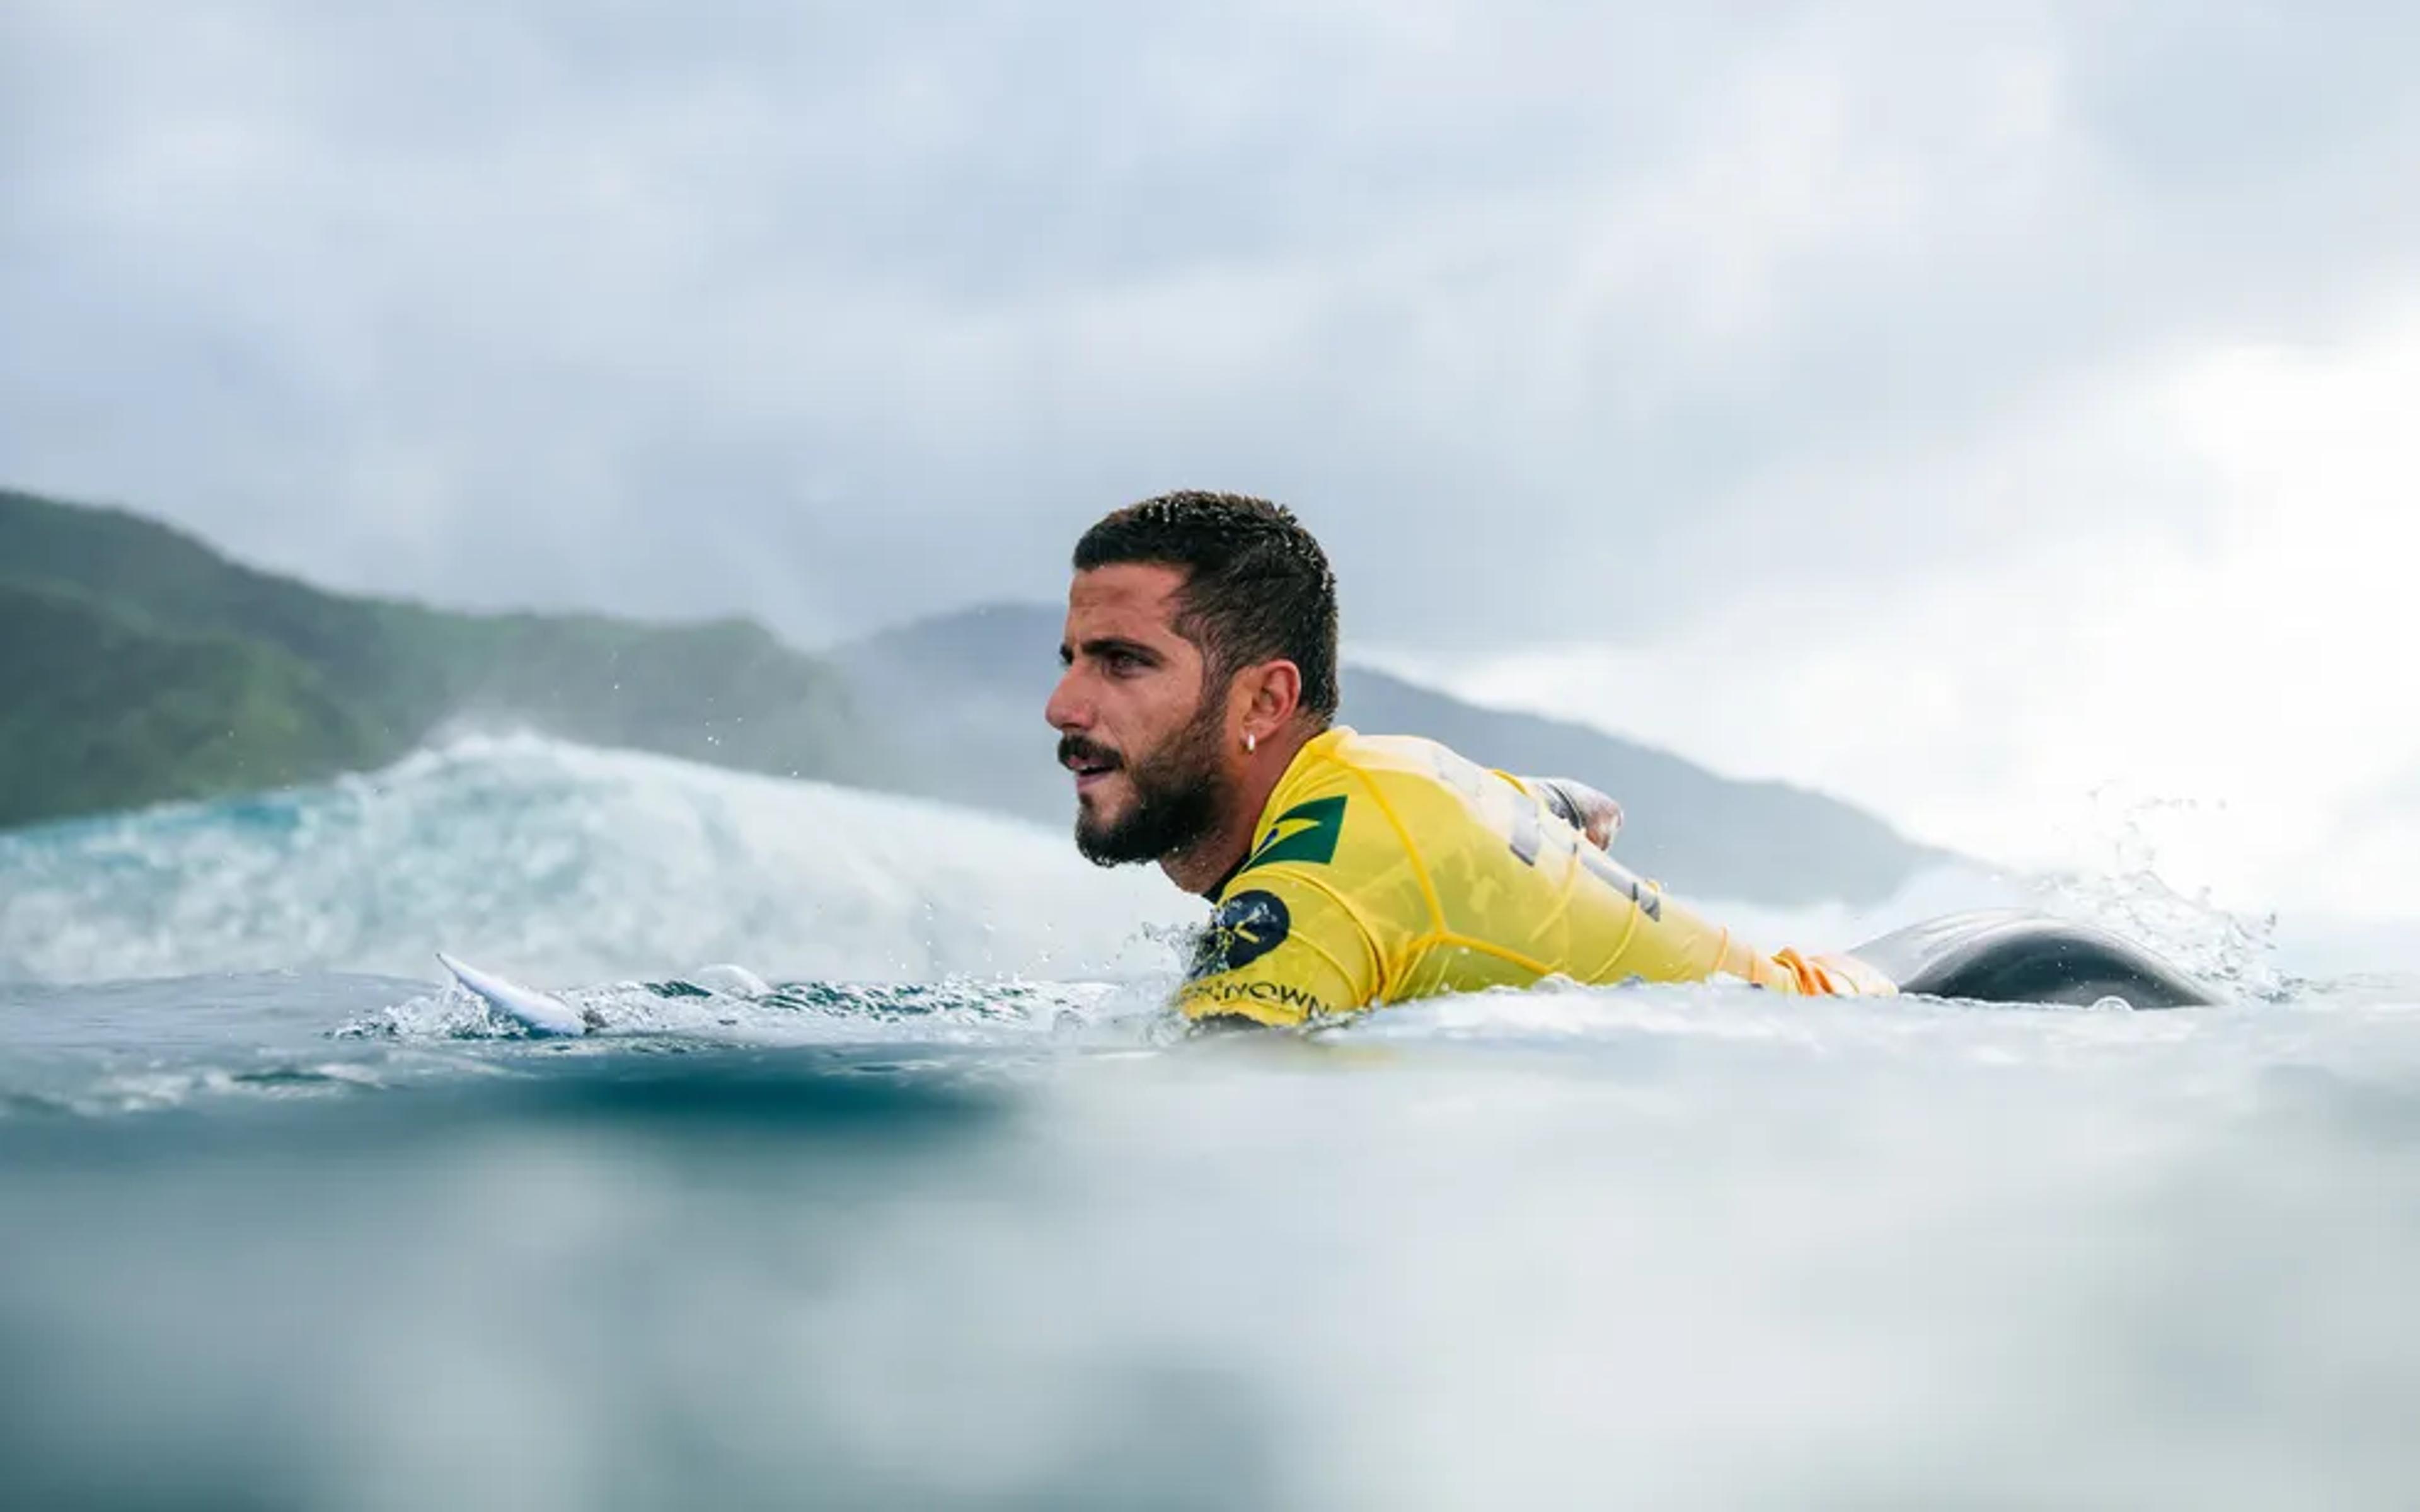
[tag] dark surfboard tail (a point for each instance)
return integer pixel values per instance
(2014, 957)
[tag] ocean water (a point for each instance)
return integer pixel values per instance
(953, 1217)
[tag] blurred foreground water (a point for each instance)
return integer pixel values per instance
(316, 1239)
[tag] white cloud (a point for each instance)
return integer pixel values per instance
(2237, 691)
(737, 308)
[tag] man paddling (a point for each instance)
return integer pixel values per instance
(1197, 711)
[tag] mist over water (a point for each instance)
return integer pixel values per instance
(953, 1219)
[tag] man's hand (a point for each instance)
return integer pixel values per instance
(1582, 807)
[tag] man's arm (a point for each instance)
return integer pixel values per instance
(1280, 951)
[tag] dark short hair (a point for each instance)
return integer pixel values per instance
(1257, 586)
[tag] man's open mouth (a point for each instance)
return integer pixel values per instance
(1089, 768)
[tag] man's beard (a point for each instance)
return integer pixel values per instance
(1177, 795)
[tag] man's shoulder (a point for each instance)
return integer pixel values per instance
(1341, 813)
(1331, 818)
(1344, 755)
(1406, 773)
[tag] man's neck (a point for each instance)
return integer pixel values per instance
(1201, 867)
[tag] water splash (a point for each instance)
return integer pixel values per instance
(2129, 896)
(956, 1010)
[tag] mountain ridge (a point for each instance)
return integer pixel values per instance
(143, 666)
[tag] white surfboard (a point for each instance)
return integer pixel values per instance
(536, 1012)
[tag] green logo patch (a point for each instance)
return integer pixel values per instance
(1308, 832)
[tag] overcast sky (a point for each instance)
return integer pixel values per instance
(1968, 415)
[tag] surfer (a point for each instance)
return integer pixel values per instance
(1197, 714)
(1197, 711)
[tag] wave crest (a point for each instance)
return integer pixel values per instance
(568, 863)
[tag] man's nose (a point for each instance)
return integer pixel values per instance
(1067, 708)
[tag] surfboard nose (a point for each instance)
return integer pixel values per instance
(536, 1012)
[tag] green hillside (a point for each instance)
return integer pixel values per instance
(138, 665)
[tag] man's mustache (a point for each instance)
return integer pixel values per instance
(1075, 748)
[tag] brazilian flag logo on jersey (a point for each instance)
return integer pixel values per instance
(1308, 832)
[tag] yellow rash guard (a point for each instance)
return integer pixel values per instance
(1388, 867)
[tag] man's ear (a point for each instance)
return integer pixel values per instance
(1275, 693)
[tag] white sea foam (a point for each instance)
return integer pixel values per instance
(564, 864)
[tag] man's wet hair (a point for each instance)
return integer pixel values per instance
(1257, 586)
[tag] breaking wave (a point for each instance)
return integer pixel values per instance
(569, 864)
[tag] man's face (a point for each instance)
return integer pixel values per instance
(1136, 724)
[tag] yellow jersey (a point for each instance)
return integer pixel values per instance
(1388, 867)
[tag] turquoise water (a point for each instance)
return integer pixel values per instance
(960, 1220)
